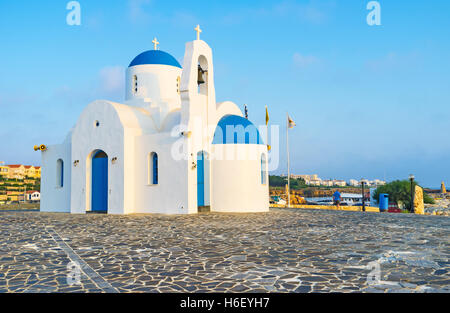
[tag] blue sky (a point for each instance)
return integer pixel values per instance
(369, 101)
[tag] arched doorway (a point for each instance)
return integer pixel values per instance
(203, 182)
(99, 200)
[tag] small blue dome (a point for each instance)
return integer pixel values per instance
(234, 129)
(155, 57)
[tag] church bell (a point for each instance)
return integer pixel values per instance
(200, 79)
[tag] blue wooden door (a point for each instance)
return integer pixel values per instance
(155, 169)
(200, 179)
(100, 182)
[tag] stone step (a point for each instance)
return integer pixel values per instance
(204, 209)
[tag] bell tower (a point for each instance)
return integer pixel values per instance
(197, 83)
(198, 109)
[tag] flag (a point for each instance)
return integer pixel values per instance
(291, 123)
(267, 116)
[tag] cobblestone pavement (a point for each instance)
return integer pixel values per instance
(280, 251)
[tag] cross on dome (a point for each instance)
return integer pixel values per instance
(155, 43)
(198, 30)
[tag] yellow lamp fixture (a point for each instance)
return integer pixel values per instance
(41, 148)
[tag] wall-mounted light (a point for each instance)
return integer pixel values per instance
(40, 148)
(113, 160)
(186, 134)
(76, 162)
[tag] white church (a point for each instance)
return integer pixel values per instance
(169, 148)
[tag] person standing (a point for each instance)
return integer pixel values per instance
(337, 199)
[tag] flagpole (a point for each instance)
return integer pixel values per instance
(288, 161)
(267, 132)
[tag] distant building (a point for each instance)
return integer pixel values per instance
(4, 171)
(340, 183)
(378, 182)
(16, 171)
(19, 171)
(332, 182)
(13, 195)
(368, 183)
(32, 172)
(315, 180)
(33, 195)
(312, 180)
(327, 183)
(309, 179)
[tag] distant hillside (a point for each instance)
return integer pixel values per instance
(14, 189)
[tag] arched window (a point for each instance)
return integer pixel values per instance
(202, 76)
(60, 173)
(135, 84)
(263, 170)
(153, 168)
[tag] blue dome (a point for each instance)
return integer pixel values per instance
(155, 57)
(234, 129)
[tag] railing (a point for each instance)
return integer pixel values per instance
(328, 207)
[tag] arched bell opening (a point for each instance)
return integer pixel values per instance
(202, 75)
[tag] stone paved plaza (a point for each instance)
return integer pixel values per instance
(280, 251)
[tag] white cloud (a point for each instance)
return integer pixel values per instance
(108, 83)
(303, 61)
(112, 79)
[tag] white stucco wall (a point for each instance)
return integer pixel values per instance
(53, 197)
(226, 108)
(169, 196)
(87, 138)
(156, 83)
(236, 179)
